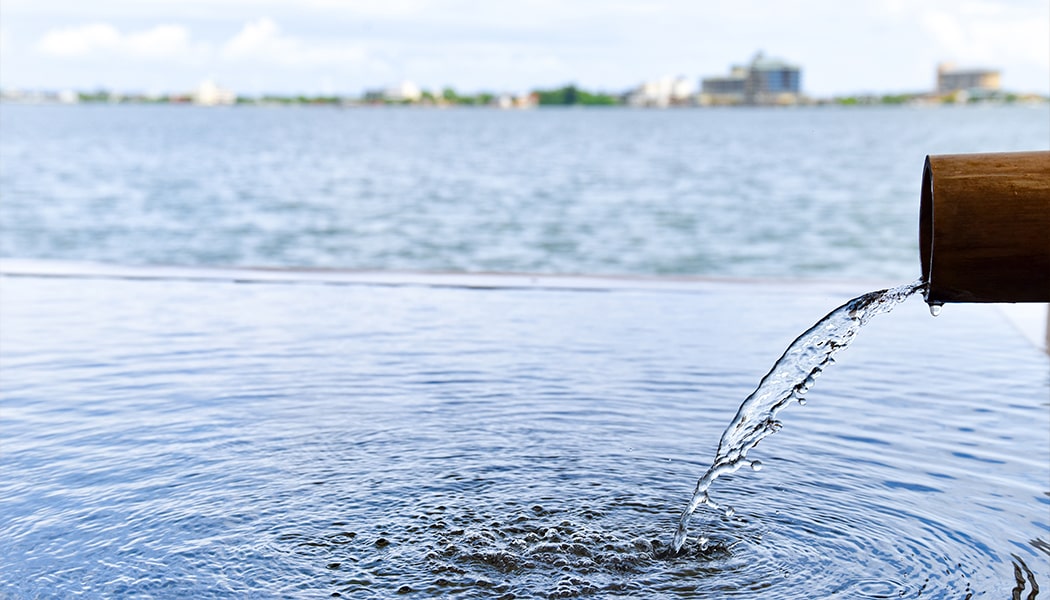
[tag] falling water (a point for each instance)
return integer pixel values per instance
(789, 379)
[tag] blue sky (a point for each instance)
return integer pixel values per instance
(344, 47)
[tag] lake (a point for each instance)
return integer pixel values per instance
(808, 192)
(376, 414)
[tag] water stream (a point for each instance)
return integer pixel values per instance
(789, 379)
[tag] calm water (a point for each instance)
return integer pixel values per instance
(187, 433)
(770, 193)
(176, 438)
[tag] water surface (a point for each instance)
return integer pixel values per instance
(731, 192)
(190, 438)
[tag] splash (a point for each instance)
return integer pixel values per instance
(789, 379)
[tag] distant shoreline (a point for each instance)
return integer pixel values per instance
(566, 96)
(1032, 102)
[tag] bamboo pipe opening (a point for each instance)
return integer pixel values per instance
(984, 227)
(926, 224)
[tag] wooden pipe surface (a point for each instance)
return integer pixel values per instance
(984, 227)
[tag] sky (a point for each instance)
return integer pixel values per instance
(348, 46)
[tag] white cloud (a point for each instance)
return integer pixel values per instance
(160, 42)
(387, 8)
(261, 40)
(103, 39)
(843, 47)
(74, 42)
(970, 35)
(260, 35)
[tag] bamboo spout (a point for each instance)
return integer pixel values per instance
(984, 227)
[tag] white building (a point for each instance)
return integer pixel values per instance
(208, 93)
(663, 92)
(510, 101)
(406, 91)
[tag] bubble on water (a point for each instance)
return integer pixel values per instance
(756, 465)
(535, 549)
(801, 401)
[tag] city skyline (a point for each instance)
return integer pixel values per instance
(329, 47)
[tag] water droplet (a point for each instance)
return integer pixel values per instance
(801, 401)
(935, 308)
(729, 512)
(756, 465)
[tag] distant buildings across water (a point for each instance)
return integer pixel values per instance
(762, 81)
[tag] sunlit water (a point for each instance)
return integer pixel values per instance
(194, 438)
(789, 379)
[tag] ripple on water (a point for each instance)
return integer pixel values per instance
(458, 542)
(285, 452)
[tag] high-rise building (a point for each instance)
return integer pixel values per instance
(763, 81)
(951, 79)
(771, 81)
